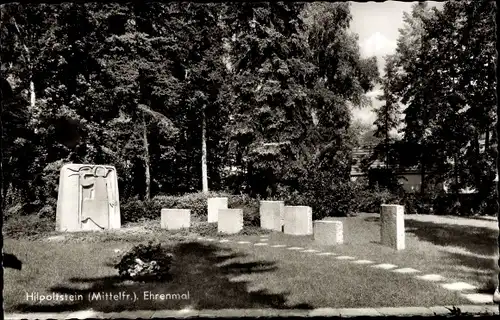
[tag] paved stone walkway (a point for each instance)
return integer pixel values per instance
(187, 313)
(489, 223)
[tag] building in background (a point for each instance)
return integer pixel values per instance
(409, 178)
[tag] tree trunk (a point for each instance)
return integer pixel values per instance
(456, 175)
(422, 174)
(29, 65)
(477, 171)
(147, 173)
(204, 171)
(387, 141)
(32, 94)
(487, 140)
(5, 191)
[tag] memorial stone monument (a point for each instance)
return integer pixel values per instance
(173, 219)
(271, 215)
(328, 232)
(88, 198)
(214, 204)
(392, 226)
(298, 220)
(230, 221)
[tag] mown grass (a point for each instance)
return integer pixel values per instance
(245, 276)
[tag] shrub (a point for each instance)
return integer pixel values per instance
(328, 193)
(145, 263)
(250, 206)
(197, 202)
(461, 205)
(132, 210)
(366, 199)
(28, 226)
(205, 229)
(13, 211)
(135, 210)
(48, 211)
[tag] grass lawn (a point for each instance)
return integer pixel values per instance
(455, 251)
(231, 275)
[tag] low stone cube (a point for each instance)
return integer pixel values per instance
(173, 219)
(392, 226)
(329, 233)
(230, 221)
(271, 215)
(298, 220)
(214, 204)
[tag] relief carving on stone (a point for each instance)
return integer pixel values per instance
(94, 195)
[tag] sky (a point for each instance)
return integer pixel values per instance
(377, 25)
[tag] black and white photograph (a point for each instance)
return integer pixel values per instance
(185, 159)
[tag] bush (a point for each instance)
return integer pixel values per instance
(28, 226)
(330, 200)
(250, 206)
(145, 263)
(135, 210)
(414, 204)
(366, 199)
(464, 205)
(326, 195)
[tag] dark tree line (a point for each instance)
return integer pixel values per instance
(176, 94)
(443, 73)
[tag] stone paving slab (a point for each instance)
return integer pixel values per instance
(477, 309)
(175, 314)
(408, 311)
(325, 312)
(143, 314)
(478, 298)
(439, 310)
(238, 313)
(356, 312)
(85, 314)
(37, 315)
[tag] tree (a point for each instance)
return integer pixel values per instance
(29, 52)
(412, 85)
(444, 65)
(466, 95)
(388, 115)
(298, 69)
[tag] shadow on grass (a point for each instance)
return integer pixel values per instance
(201, 271)
(470, 251)
(477, 260)
(481, 241)
(478, 240)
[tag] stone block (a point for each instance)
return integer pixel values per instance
(329, 233)
(214, 204)
(230, 221)
(271, 215)
(88, 198)
(392, 226)
(298, 220)
(173, 219)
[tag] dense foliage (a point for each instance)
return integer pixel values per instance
(251, 98)
(248, 98)
(135, 209)
(443, 75)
